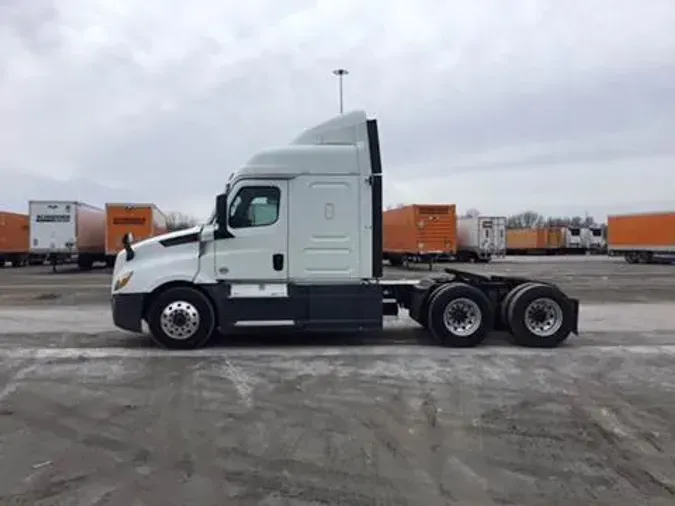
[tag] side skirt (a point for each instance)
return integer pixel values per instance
(314, 307)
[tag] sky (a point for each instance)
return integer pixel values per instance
(501, 106)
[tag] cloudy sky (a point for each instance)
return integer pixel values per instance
(560, 106)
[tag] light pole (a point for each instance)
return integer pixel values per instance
(341, 73)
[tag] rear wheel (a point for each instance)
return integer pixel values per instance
(181, 318)
(540, 316)
(459, 315)
(504, 306)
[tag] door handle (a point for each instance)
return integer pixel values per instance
(278, 261)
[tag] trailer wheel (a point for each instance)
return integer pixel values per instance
(459, 315)
(646, 257)
(540, 316)
(85, 263)
(395, 261)
(181, 318)
(631, 258)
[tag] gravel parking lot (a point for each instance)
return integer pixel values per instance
(93, 416)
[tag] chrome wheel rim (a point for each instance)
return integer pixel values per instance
(180, 320)
(462, 317)
(543, 317)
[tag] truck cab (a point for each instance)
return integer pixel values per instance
(594, 239)
(293, 233)
(295, 240)
(573, 238)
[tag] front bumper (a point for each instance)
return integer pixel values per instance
(127, 311)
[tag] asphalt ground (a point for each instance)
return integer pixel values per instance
(94, 416)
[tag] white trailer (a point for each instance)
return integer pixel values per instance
(64, 230)
(296, 241)
(481, 238)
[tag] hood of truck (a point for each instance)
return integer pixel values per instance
(188, 232)
(160, 259)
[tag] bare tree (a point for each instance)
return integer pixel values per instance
(179, 221)
(471, 213)
(526, 219)
(532, 219)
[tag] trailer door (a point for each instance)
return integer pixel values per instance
(53, 227)
(486, 233)
(498, 235)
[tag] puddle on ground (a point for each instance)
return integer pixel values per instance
(48, 296)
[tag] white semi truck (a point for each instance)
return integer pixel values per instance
(296, 241)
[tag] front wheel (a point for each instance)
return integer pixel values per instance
(181, 318)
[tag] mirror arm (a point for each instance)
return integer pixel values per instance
(126, 242)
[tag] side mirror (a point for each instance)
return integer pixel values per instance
(127, 239)
(221, 209)
(221, 217)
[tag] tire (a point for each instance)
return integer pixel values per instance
(423, 319)
(395, 261)
(193, 306)
(504, 306)
(85, 263)
(645, 257)
(557, 310)
(462, 298)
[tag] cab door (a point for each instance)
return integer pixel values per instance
(258, 219)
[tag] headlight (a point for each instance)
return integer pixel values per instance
(122, 281)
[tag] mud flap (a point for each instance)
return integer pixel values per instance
(575, 315)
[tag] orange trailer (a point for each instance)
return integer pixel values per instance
(641, 236)
(419, 233)
(141, 220)
(14, 241)
(523, 241)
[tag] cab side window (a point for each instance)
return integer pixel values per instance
(254, 206)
